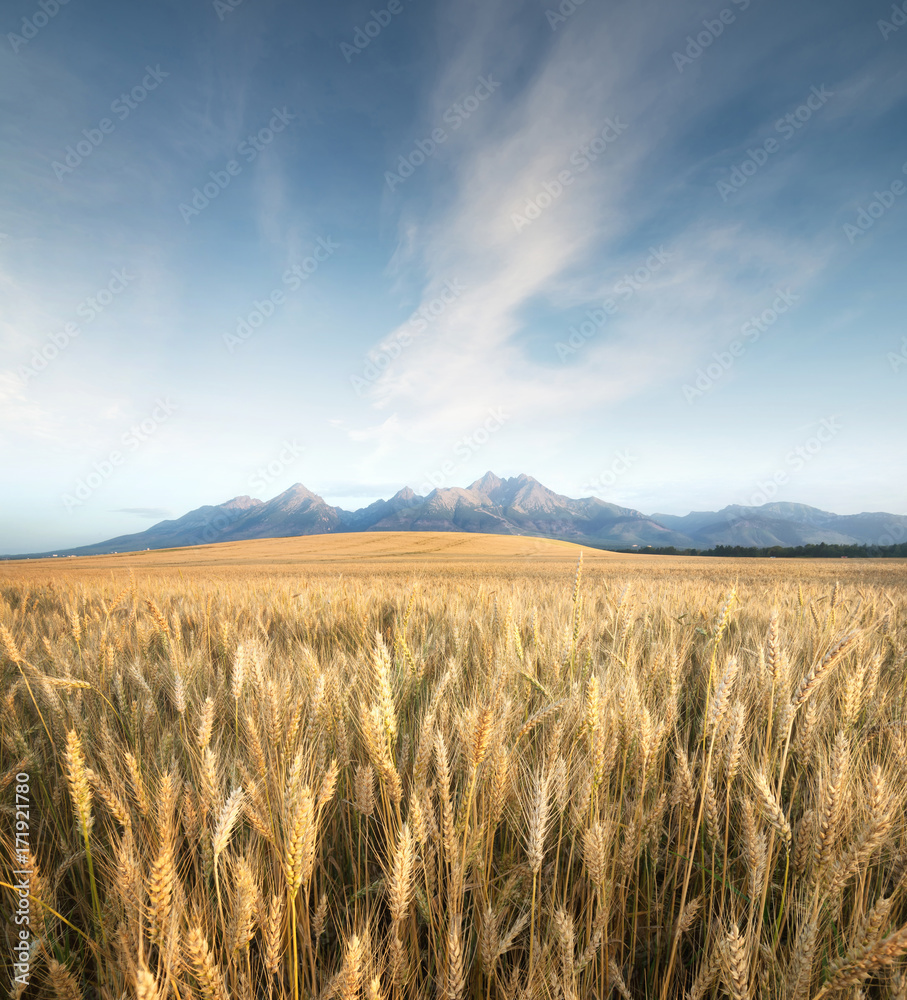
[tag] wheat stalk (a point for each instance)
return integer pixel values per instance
(226, 821)
(858, 965)
(820, 670)
(400, 884)
(63, 982)
(206, 971)
(736, 964)
(771, 808)
(299, 854)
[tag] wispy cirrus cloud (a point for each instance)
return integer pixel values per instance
(586, 234)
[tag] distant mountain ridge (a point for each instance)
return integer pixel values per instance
(520, 505)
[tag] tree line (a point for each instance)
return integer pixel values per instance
(822, 550)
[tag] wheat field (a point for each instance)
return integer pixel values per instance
(315, 768)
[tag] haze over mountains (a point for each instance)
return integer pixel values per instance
(517, 506)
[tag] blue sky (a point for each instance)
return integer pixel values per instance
(246, 244)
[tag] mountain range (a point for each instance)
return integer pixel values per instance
(517, 506)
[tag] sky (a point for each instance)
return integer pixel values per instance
(647, 251)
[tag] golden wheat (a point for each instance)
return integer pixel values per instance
(488, 779)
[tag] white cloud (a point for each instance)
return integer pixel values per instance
(572, 254)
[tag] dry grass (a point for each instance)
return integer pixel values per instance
(461, 771)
